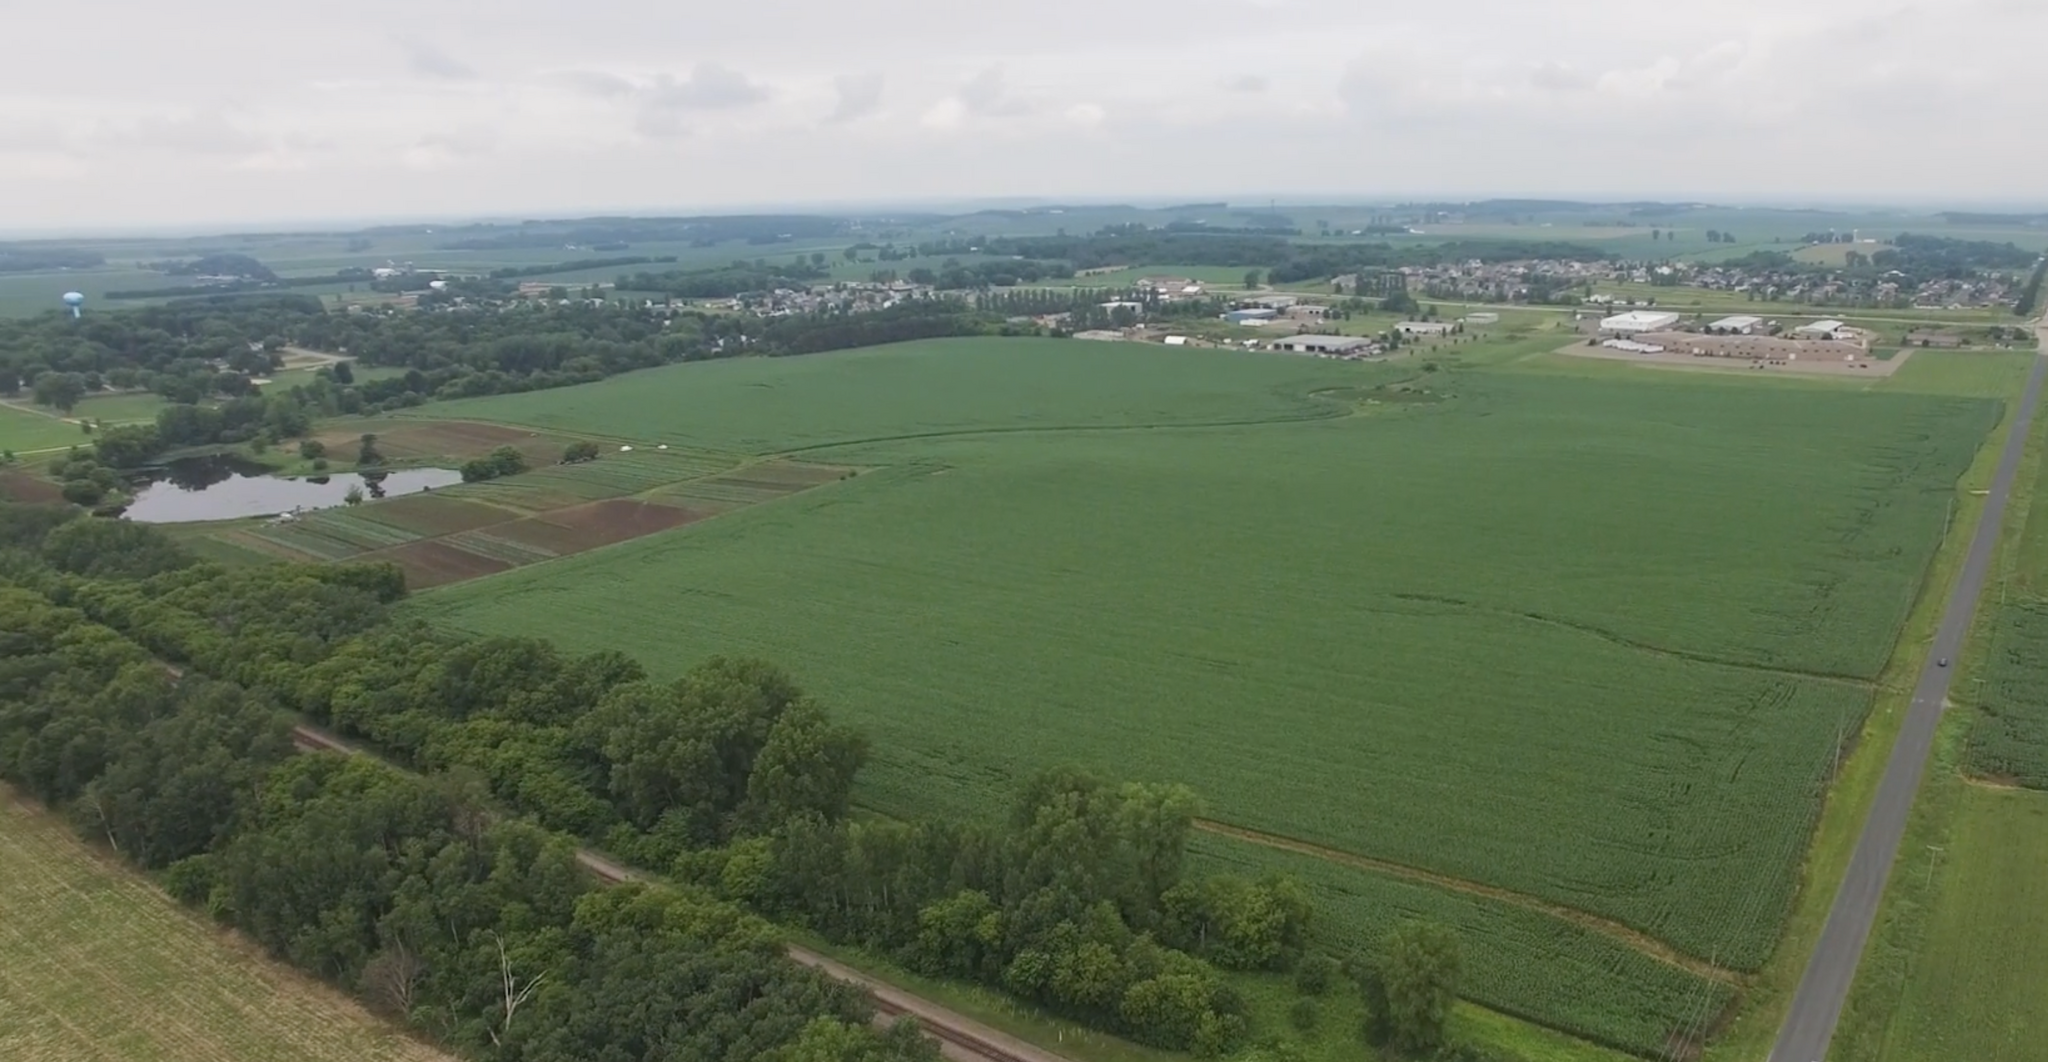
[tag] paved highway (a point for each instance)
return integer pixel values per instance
(1817, 1005)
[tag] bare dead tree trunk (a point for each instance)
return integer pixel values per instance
(393, 978)
(515, 992)
(99, 811)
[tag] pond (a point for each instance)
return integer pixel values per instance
(225, 488)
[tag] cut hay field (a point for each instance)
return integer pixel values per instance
(97, 963)
(1575, 654)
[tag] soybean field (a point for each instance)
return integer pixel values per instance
(1564, 662)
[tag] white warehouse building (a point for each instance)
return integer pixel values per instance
(1829, 329)
(1628, 324)
(1738, 325)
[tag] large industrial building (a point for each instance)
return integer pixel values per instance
(1628, 324)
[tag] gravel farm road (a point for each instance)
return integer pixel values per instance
(1824, 988)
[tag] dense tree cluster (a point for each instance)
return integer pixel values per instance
(503, 461)
(1939, 257)
(1077, 902)
(477, 930)
(837, 330)
(219, 264)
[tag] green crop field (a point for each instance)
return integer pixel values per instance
(1584, 647)
(97, 963)
(1974, 989)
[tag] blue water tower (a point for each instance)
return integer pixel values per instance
(74, 300)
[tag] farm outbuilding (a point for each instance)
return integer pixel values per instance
(1256, 315)
(1424, 328)
(1628, 324)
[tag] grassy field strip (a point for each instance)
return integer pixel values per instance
(96, 963)
(1641, 942)
(1954, 967)
(1974, 991)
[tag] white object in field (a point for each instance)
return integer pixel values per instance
(625, 449)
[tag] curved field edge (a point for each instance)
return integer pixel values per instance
(1518, 962)
(96, 962)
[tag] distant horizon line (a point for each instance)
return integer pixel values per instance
(977, 204)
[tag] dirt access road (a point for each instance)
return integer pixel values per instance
(960, 1038)
(1831, 971)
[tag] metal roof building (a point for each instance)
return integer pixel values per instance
(1637, 321)
(1741, 324)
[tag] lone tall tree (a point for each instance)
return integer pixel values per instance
(1412, 984)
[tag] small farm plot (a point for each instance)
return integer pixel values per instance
(96, 963)
(427, 515)
(1585, 640)
(331, 534)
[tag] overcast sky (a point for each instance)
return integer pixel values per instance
(142, 112)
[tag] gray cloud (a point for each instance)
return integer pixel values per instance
(710, 87)
(859, 96)
(988, 93)
(1250, 84)
(1557, 77)
(598, 83)
(207, 133)
(428, 61)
